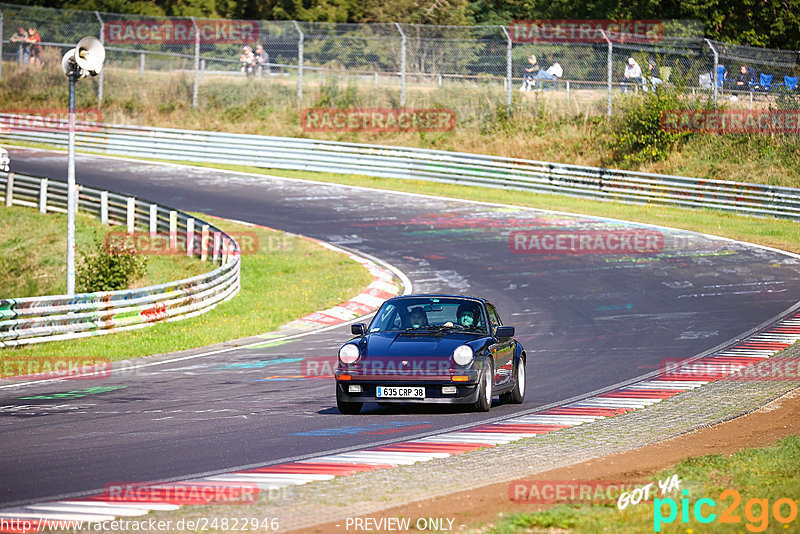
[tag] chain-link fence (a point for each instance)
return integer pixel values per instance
(472, 69)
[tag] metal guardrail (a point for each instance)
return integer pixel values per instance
(50, 318)
(412, 163)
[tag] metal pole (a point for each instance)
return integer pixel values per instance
(509, 71)
(102, 73)
(402, 65)
(141, 65)
(1, 45)
(196, 61)
(300, 40)
(610, 69)
(71, 189)
(715, 73)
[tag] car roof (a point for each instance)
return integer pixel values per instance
(440, 295)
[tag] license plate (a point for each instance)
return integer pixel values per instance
(399, 392)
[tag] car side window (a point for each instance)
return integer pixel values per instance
(494, 319)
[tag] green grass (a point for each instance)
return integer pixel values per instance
(770, 473)
(33, 263)
(287, 278)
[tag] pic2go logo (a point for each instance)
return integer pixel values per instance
(756, 511)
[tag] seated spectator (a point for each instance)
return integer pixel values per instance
(262, 59)
(248, 60)
(633, 73)
(21, 37)
(36, 48)
(745, 79)
(552, 73)
(653, 75)
(528, 74)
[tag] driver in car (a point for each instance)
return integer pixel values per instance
(467, 316)
(417, 317)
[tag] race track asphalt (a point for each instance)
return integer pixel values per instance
(587, 321)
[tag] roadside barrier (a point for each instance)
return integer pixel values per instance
(410, 163)
(50, 318)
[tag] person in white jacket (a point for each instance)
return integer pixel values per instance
(633, 73)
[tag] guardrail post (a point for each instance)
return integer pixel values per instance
(131, 214)
(402, 64)
(153, 219)
(104, 207)
(173, 230)
(190, 236)
(215, 249)
(225, 245)
(100, 76)
(509, 69)
(204, 243)
(196, 61)
(9, 189)
(43, 195)
(300, 40)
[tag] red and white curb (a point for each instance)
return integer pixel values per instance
(738, 357)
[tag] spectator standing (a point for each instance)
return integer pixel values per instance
(528, 74)
(36, 47)
(262, 59)
(633, 73)
(21, 37)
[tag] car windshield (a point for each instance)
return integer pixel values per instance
(429, 314)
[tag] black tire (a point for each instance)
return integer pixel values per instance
(347, 407)
(517, 394)
(485, 388)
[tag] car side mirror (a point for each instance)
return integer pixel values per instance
(504, 331)
(358, 329)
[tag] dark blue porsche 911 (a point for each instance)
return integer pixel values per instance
(431, 349)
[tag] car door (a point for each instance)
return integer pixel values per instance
(503, 351)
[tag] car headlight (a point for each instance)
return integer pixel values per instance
(349, 353)
(463, 355)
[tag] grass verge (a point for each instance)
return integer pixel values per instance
(766, 475)
(34, 262)
(286, 278)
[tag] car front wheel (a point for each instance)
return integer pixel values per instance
(485, 388)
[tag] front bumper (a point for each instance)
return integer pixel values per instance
(466, 393)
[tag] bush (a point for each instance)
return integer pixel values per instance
(110, 268)
(639, 136)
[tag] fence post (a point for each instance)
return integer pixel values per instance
(610, 68)
(215, 248)
(131, 214)
(43, 195)
(300, 41)
(173, 230)
(196, 61)
(204, 243)
(100, 76)
(104, 207)
(10, 189)
(402, 65)
(509, 71)
(141, 65)
(190, 236)
(715, 72)
(153, 219)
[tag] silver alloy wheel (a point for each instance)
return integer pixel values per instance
(489, 382)
(521, 377)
